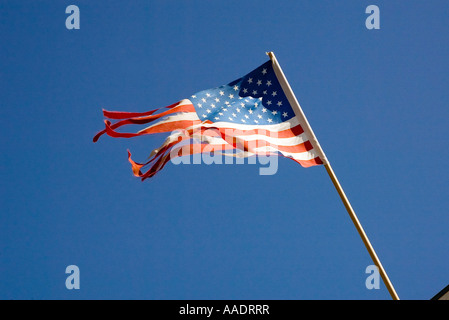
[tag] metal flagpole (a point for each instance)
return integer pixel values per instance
(308, 130)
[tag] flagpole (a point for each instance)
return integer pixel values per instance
(361, 232)
(308, 129)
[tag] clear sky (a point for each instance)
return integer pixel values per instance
(376, 99)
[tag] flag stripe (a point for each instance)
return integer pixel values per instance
(285, 125)
(185, 117)
(257, 141)
(238, 134)
(126, 115)
(181, 107)
(299, 152)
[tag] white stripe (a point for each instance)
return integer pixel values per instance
(307, 155)
(287, 142)
(291, 123)
(304, 156)
(184, 102)
(301, 156)
(292, 141)
(180, 116)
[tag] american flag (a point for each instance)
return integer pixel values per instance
(248, 117)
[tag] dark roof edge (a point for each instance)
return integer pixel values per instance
(441, 293)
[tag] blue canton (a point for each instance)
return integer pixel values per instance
(255, 99)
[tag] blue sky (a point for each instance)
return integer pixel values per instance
(376, 99)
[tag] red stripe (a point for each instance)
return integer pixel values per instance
(141, 120)
(148, 119)
(158, 128)
(170, 126)
(287, 133)
(138, 166)
(245, 145)
(309, 163)
(124, 115)
(252, 145)
(163, 127)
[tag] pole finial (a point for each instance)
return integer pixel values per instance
(270, 54)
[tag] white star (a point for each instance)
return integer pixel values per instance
(236, 88)
(264, 71)
(221, 93)
(224, 109)
(220, 113)
(204, 100)
(279, 103)
(265, 92)
(245, 90)
(250, 80)
(255, 105)
(250, 111)
(212, 105)
(230, 119)
(246, 116)
(264, 110)
(269, 83)
(259, 116)
(242, 104)
(274, 112)
(254, 92)
(234, 115)
(217, 100)
(231, 96)
(194, 96)
(269, 102)
(204, 116)
(238, 110)
(200, 105)
(274, 93)
(269, 120)
(217, 118)
(243, 120)
(259, 82)
(208, 94)
(226, 102)
(208, 111)
(285, 114)
(260, 98)
(256, 121)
